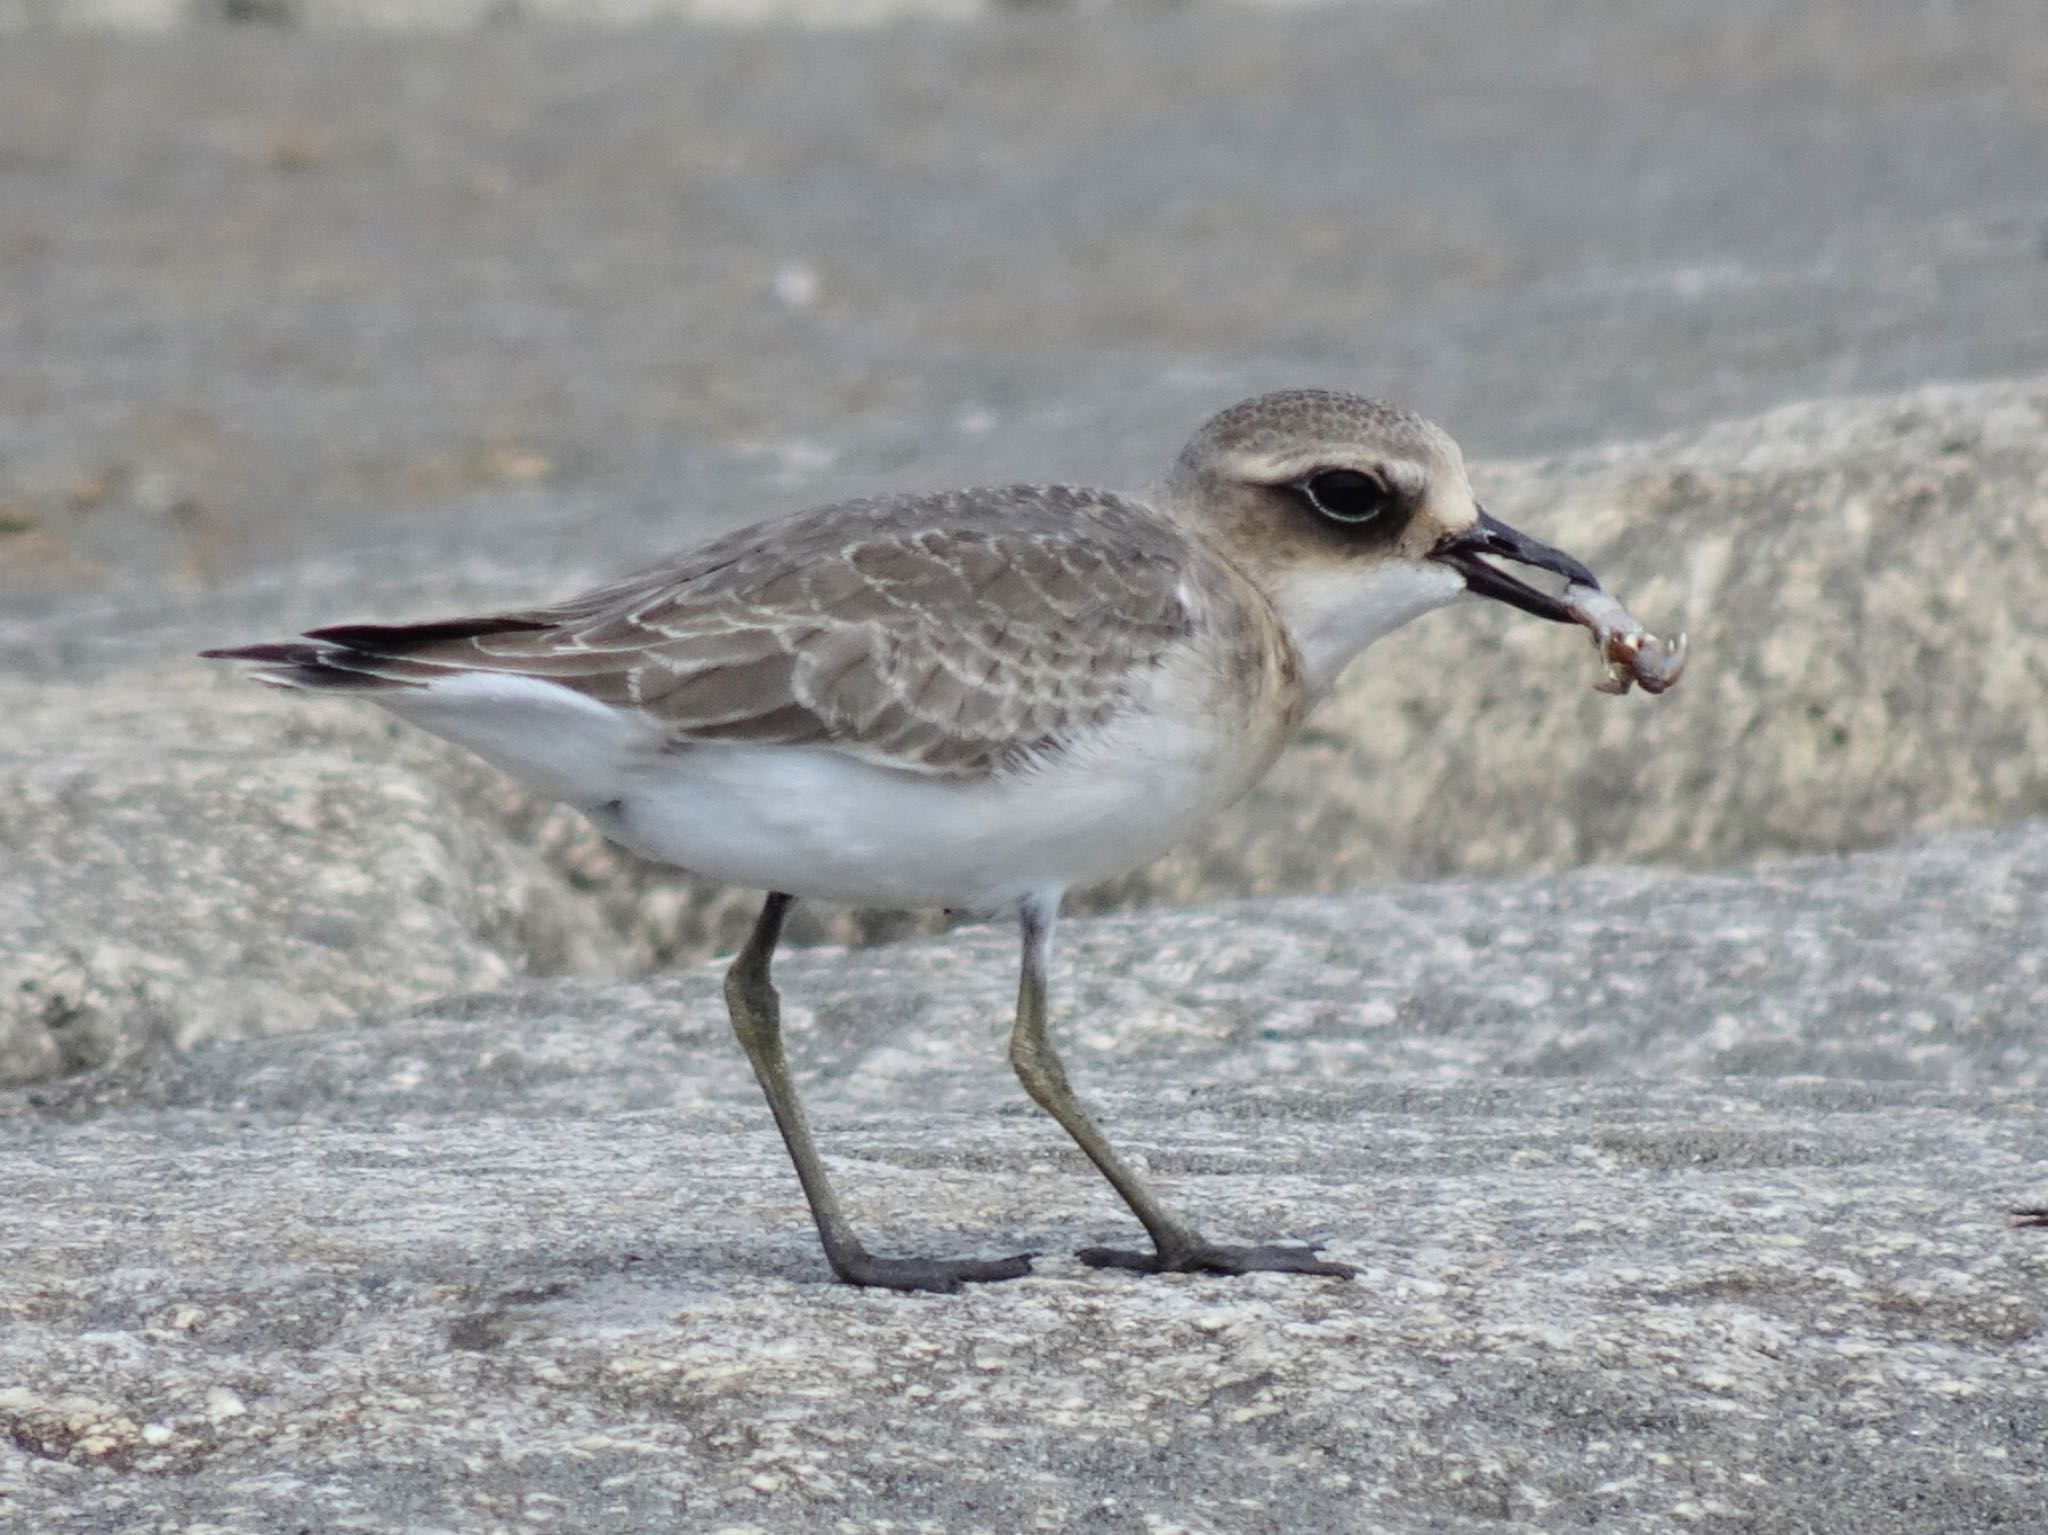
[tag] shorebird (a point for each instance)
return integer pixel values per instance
(974, 699)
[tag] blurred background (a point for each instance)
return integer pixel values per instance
(282, 279)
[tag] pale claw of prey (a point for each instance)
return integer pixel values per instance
(1633, 654)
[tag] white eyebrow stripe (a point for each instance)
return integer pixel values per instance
(1406, 476)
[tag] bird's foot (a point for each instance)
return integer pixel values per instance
(943, 1275)
(1203, 1257)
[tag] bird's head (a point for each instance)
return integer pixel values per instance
(1355, 517)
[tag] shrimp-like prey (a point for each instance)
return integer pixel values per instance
(1633, 656)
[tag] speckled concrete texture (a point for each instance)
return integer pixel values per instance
(184, 865)
(1678, 1201)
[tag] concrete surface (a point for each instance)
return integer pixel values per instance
(1680, 1202)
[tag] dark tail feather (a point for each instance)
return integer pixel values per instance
(402, 639)
(323, 667)
(283, 655)
(364, 657)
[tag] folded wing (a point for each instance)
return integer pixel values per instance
(942, 635)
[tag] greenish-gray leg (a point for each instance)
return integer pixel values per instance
(756, 1012)
(1177, 1246)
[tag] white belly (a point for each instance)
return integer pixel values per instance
(816, 823)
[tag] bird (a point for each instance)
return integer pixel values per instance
(972, 699)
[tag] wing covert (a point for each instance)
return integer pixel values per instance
(894, 632)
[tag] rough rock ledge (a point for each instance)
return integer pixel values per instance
(1680, 1202)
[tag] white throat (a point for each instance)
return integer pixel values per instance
(1333, 614)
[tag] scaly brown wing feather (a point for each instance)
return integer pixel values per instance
(943, 634)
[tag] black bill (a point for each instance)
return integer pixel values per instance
(1489, 538)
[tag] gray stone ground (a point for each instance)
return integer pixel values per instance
(1679, 1201)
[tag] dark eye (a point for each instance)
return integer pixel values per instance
(1347, 495)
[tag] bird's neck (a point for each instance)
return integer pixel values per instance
(1333, 615)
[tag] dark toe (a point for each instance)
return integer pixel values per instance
(1117, 1258)
(1274, 1258)
(1217, 1258)
(939, 1275)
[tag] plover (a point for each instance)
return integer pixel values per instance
(974, 699)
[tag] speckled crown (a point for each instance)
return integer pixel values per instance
(1269, 425)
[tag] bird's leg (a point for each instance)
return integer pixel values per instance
(757, 1020)
(1177, 1248)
